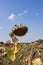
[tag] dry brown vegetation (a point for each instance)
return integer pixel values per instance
(28, 54)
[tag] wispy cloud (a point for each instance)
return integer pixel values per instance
(1, 28)
(37, 14)
(11, 16)
(24, 12)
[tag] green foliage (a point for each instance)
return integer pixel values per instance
(11, 54)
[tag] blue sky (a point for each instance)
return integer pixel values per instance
(27, 12)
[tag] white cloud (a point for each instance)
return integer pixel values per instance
(25, 11)
(11, 16)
